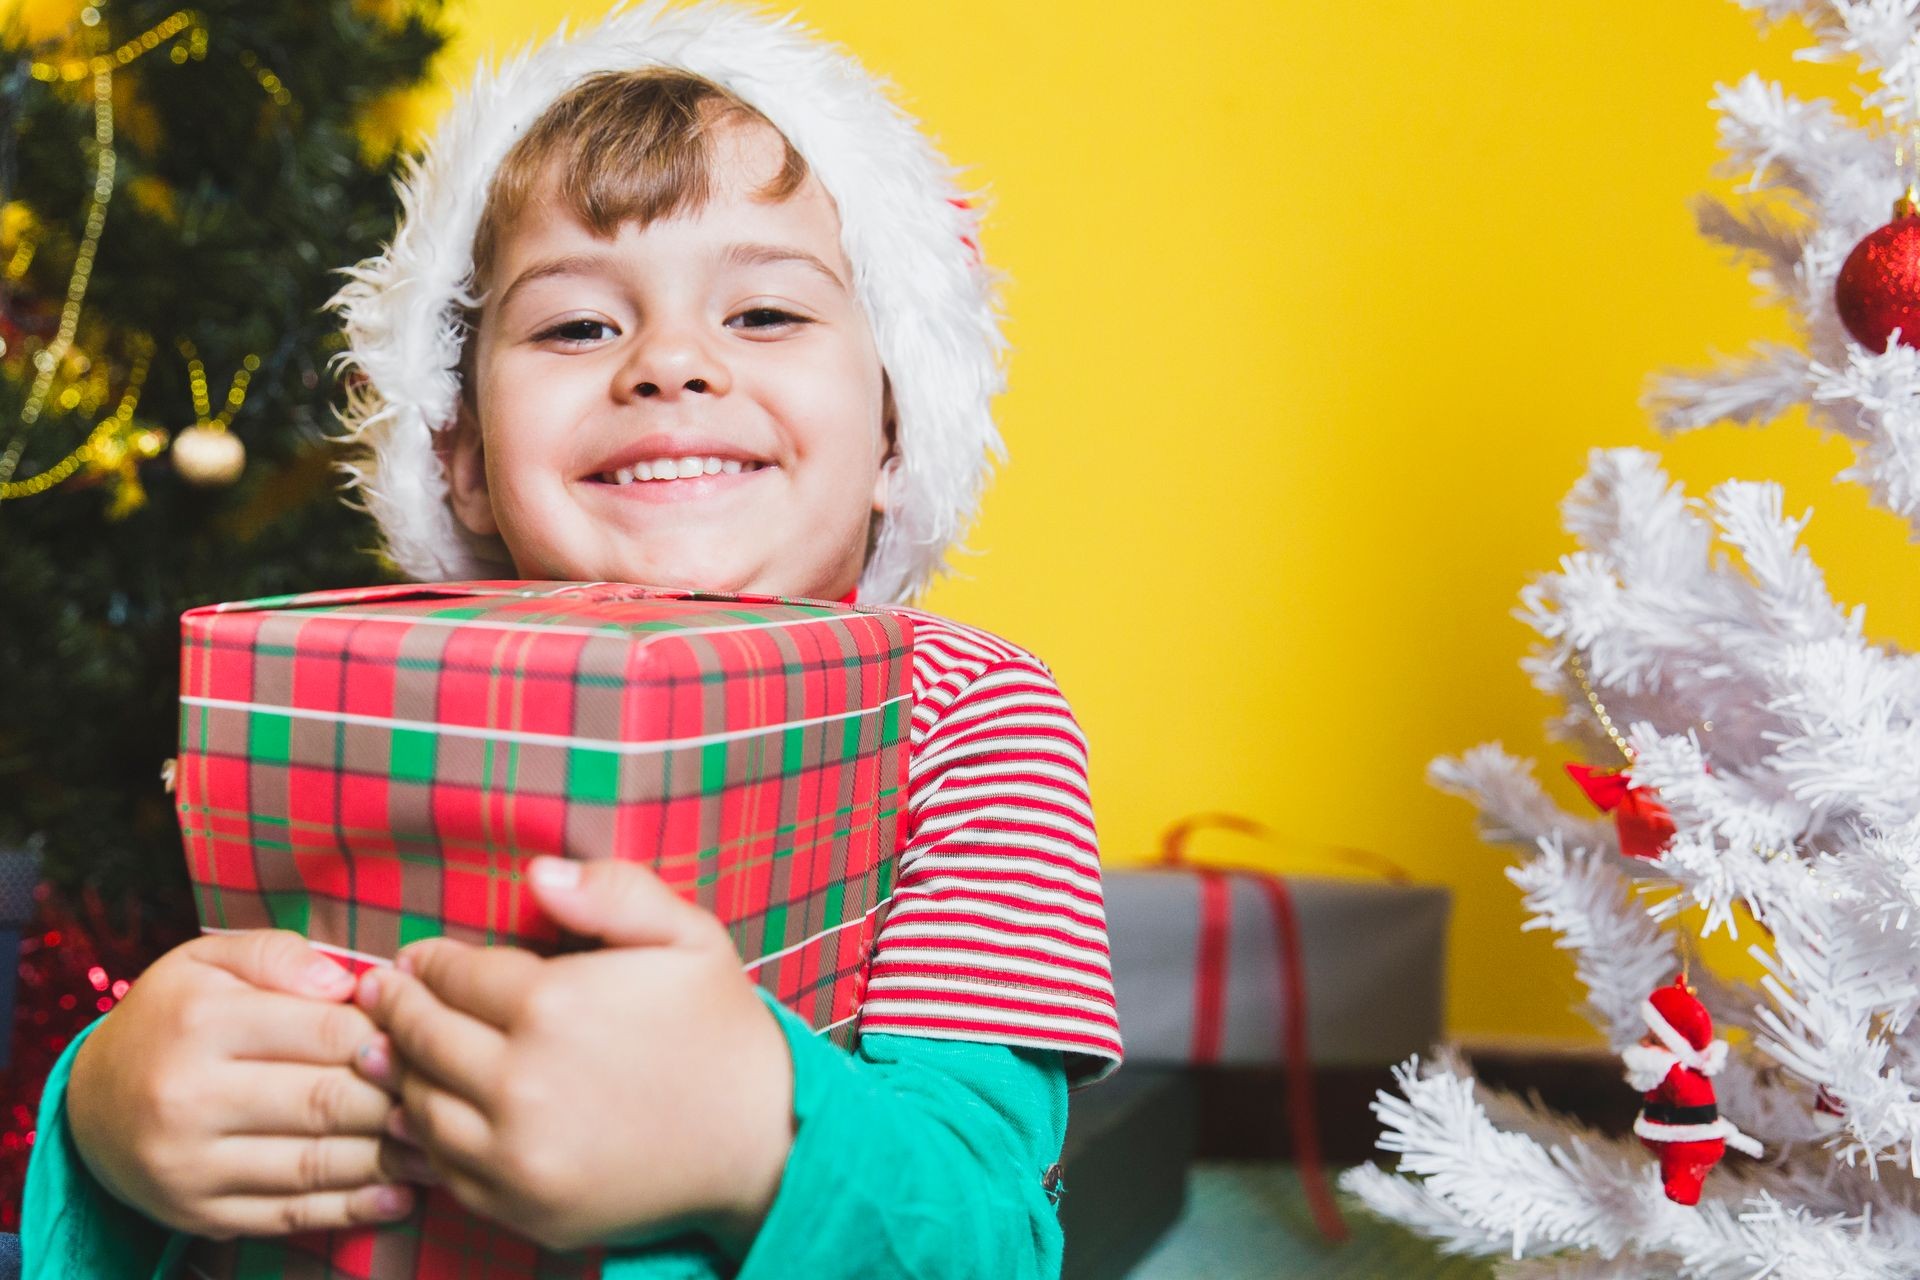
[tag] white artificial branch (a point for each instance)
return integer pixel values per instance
(1783, 742)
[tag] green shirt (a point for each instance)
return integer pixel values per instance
(910, 1157)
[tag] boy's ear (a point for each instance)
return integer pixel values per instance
(463, 453)
(890, 435)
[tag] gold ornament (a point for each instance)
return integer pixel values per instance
(206, 453)
(209, 455)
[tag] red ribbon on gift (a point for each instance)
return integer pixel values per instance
(1645, 826)
(1210, 985)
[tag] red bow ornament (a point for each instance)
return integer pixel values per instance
(1645, 826)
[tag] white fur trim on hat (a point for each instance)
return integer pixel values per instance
(1707, 1061)
(925, 292)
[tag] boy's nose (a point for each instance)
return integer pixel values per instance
(667, 364)
(647, 389)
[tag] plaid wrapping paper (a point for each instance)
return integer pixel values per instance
(375, 766)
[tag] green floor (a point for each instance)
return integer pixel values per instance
(1249, 1221)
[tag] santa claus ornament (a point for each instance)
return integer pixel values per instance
(1674, 1065)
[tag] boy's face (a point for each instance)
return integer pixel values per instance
(729, 335)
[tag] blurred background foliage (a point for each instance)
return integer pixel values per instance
(250, 152)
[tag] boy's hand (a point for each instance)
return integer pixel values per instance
(589, 1097)
(219, 1098)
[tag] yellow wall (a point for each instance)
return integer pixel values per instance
(1317, 309)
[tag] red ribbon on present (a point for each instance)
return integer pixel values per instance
(1210, 985)
(1645, 826)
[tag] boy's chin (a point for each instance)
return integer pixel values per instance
(679, 577)
(691, 571)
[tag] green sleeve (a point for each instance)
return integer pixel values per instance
(911, 1157)
(71, 1228)
(922, 1158)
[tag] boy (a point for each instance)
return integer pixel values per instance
(683, 301)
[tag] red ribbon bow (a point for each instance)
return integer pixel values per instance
(1645, 826)
(1210, 987)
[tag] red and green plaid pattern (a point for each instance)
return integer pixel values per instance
(376, 766)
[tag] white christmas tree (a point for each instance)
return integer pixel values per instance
(1695, 642)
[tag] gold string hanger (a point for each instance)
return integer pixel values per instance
(206, 453)
(197, 383)
(1906, 151)
(1600, 713)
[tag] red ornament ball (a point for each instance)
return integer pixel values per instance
(1879, 286)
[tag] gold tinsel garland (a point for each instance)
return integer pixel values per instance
(116, 444)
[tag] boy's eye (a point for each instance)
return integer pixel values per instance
(766, 318)
(576, 331)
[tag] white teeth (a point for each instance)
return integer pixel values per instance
(680, 468)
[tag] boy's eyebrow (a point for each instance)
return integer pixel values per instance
(572, 264)
(760, 255)
(739, 255)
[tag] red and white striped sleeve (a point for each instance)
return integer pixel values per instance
(997, 930)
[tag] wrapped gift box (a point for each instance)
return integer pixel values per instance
(1371, 955)
(376, 766)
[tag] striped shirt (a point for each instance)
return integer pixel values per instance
(997, 931)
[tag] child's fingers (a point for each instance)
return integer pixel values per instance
(617, 902)
(266, 1026)
(250, 1165)
(313, 1211)
(478, 1194)
(446, 1126)
(276, 959)
(457, 1051)
(404, 1162)
(490, 983)
(285, 1099)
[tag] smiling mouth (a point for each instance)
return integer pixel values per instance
(660, 470)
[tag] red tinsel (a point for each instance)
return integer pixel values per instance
(74, 966)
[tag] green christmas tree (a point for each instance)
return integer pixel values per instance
(180, 187)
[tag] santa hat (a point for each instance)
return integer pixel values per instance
(906, 227)
(1681, 1023)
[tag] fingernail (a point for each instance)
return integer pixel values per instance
(392, 1202)
(404, 961)
(555, 873)
(376, 1063)
(325, 976)
(397, 1126)
(368, 993)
